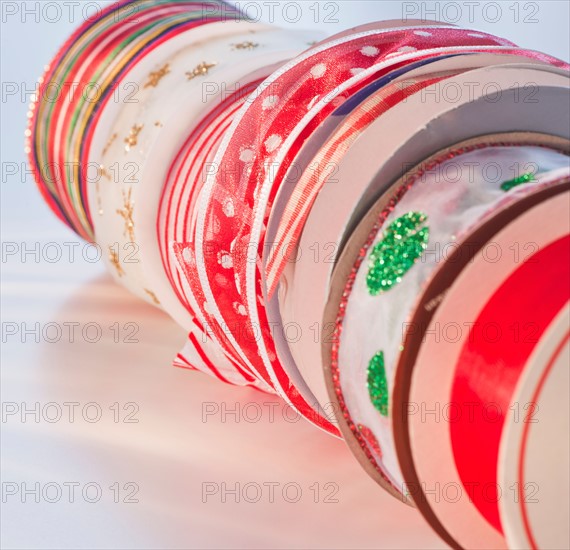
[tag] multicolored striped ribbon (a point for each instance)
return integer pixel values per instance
(97, 56)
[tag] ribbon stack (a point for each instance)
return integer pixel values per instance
(374, 226)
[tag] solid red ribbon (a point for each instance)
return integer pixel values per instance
(488, 371)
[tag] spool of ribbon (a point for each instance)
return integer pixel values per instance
(85, 73)
(477, 394)
(399, 245)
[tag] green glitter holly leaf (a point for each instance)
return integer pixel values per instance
(377, 383)
(524, 178)
(402, 244)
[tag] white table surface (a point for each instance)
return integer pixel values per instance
(172, 449)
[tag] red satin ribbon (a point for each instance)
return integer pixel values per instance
(488, 371)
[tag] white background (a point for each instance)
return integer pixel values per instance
(171, 451)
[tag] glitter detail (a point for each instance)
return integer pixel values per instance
(127, 214)
(103, 172)
(402, 244)
(152, 296)
(155, 77)
(377, 383)
(248, 45)
(200, 70)
(114, 259)
(370, 439)
(132, 139)
(109, 143)
(98, 194)
(524, 178)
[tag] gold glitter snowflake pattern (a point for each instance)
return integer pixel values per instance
(200, 70)
(127, 214)
(155, 77)
(132, 139)
(109, 143)
(248, 45)
(152, 296)
(114, 259)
